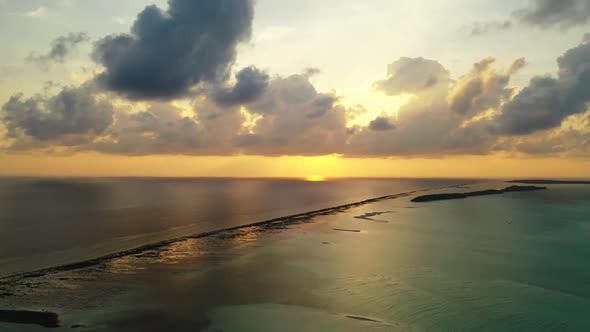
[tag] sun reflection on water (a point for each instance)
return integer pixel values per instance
(315, 178)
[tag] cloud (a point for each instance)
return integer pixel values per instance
(483, 28)
(413, 75)
(451, 119)
(322, 104)
(61, 48)
(547, 101)
(38, 12)
(381, 124)
(426, 125)
(287, 117)
(67, 118)
(482, 88)
(250, 84)
(169, 52)
(295, 119)
(158, 130)
(516, 65)
(572, 138)
(256, 114)
(548, 13)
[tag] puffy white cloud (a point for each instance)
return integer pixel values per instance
(413, 75)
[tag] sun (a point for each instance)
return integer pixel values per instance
(315, 178)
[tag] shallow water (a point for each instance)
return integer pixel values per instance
(511, 262)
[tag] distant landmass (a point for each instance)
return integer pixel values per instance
(447, 196)
(548, 182)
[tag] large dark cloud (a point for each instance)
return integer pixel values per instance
(564, 13)
(547, 101)
(250, 84)
(70, 117)
(61, 47)
(168, 52)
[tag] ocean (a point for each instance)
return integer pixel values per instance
(515, 261)
(46, 222)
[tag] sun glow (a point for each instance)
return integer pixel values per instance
(372, 104)
(315, 178)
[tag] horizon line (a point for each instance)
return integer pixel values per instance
(299, 178)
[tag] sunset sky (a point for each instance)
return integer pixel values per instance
(273, 88)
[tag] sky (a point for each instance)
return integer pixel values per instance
(273, 88)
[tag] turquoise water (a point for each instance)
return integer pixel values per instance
(515, 262)
(512, 262)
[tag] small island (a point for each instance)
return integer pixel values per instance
(548, 182)
(447, 196)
